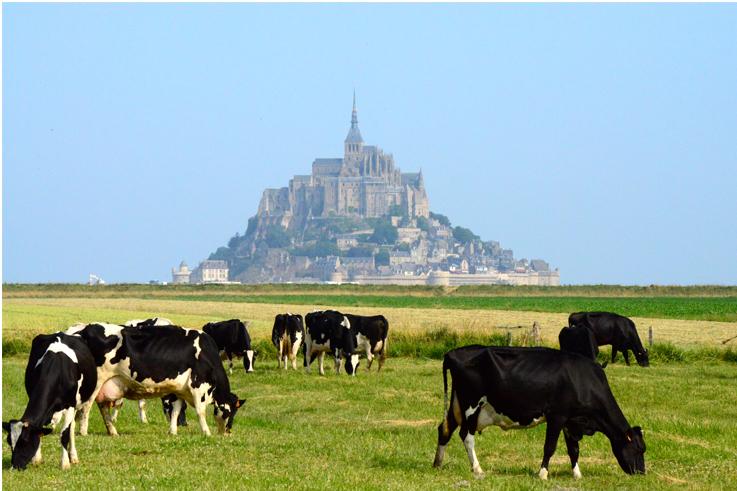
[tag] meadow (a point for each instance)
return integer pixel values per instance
(378, 431)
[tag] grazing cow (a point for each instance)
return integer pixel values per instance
(579, 340)
(614, 329)
(232, 338)
(516, 388)
(136, 363)
(60, 378)
(287, 335)
(330, 331)
(155, 321)
(371, 334)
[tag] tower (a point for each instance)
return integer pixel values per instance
(353, 141)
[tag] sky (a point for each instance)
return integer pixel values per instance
(601, 138)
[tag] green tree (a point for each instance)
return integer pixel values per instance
(277, 237)
(397, 211)
(384, 233)
(464, 235)
(441, 218)
(360, 251)
(382, 258)
(423, 224)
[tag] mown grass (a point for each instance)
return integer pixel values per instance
(694, 303)
(378, 431)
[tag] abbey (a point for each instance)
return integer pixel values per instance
(365, 182)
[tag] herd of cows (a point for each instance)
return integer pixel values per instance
(510, 387)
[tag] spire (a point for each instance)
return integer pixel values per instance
(354, 115)
(354, 134)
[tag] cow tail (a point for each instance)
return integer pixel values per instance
(446, 405)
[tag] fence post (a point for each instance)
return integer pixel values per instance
(535, 334)
(650, 337)
(509, 338)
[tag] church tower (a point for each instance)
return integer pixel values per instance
(354, 141)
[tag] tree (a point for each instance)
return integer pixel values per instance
(441, 218)
(360, 251)
(382, 258)
(423, 224)
(384, 233)
(464, 235)
(277, 237)
(223, 253)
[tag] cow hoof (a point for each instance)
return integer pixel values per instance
(543, 474)
(66, 466)
(577, 473)
(75, 460)
(479, 474)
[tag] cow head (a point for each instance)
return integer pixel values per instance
(643, 358)
(630, 451)
(24, 440)
(351, 364)
(225, 412)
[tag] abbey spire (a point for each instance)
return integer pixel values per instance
(353, 141)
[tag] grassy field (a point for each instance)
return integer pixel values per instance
(378, 431)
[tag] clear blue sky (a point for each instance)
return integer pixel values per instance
(602, 138)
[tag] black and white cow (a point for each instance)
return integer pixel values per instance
(516, 388)
(286, 336)
(153, 322)
(136, 363)
(371, 334)
(614, 329)
(232, 339)
(579, 339)
(60, 378)
(330, 331)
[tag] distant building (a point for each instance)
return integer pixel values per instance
(210, 271)
(181, 275)
(95, 280)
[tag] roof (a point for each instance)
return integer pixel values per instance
(214, 264)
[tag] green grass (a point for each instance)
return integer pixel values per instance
(722, 309)
(378, 431)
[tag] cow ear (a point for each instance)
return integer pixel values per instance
(45, 431)
(6, 426)
(240, 402)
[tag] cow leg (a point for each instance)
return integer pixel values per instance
(67, 437)
(84, 416)
(285, 358)
(201, 408)
(230, 363)
(176, 407)
(369, 358)
(320, 361)
(37, 457)
(382, 355)
(469, 443)
(572, 446)
(107, 418)
(614, 353)
(337, 362)
(445, 431)
(626, 354)
(142, 411)
(552, 432)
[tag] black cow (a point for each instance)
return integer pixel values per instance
(60, 378)
(330, 331)
(137, 363)
(371, 335)
(579, 340)
(286, 336)
(232, 339)
(518, 388)
(614, 329)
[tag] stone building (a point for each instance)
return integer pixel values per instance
(210, 271)
(181, 275)
(365, 182)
